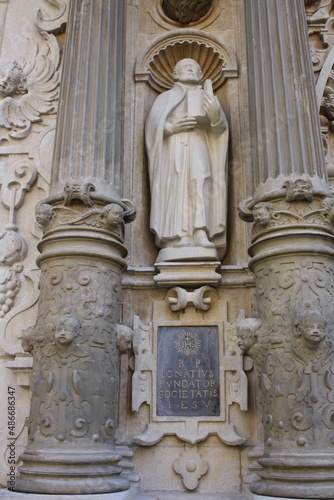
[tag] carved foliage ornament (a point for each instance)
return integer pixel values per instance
(76, 207)
(52, 16)
(30, 89)
(297, 202)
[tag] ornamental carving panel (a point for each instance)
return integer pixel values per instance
(294, 357)
(75, 338)
(189, 395)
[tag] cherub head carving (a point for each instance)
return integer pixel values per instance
(246, 332)
(112, 215)
(311, 327)
(262, 213)
(67, 328)
(28, 339)
(124, 338)
(43, 214)
(12, 80)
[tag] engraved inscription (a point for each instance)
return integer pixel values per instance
(188, 371)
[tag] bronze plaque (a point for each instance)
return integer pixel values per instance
(188, 371)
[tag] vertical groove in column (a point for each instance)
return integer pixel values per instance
(89, 137)
(285, 128)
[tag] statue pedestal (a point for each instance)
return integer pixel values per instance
(189, 274)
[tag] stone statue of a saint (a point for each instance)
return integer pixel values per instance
(187, 141)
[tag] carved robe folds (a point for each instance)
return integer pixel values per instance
(187, 172)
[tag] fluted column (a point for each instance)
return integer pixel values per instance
(90, 144)
(284, 120)
(73, 418)
(292, 255)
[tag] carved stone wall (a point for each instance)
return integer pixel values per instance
(82, 246)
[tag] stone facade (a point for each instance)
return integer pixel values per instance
(157, 364)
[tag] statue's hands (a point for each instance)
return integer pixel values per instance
(183, 124)
(212, 108)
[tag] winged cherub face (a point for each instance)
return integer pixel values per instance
(11, 80)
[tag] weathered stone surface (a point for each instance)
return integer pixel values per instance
(292, 258)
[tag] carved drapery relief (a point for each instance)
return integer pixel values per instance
(155, 65)
(187, 160)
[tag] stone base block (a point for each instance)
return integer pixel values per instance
(260, 497)
(131, 494)
(304, 476)
(198, 496)
(182, 254)
(70, 473)
(188, 274)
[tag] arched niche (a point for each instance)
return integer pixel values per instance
(156, 64)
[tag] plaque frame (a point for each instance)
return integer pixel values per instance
(233, 380)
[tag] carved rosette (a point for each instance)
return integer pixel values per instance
(292, 258)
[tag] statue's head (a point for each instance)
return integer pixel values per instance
(187, 71)
(246, 332)
(12, 80)
(262, 213)
(311, 327)
(67, 327)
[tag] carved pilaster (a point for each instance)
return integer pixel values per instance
(292, 257)
(73, 418)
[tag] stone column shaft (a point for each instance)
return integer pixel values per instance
(284, 125)
(73, 418)
(292, 255)
(90, 143)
